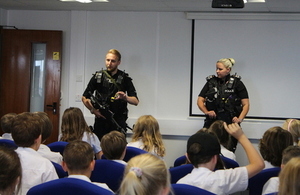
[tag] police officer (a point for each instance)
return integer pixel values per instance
(112, 89)
(224, 97)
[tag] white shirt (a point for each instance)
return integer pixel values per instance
(7, 136)
(220, 182)
(90, 138)
(85, 178)
(271, 185)
(268, 165)
(35, 169)
(227, 153)
(121, 162)
(45, 152)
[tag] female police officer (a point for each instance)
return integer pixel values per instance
(224, 97)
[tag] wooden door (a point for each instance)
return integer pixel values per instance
(16, 67)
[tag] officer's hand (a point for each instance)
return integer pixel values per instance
(98, 114)
(120, 95)
(236, 120)
(211, 114)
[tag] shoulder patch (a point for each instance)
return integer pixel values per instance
(210, 77)
(236, 76)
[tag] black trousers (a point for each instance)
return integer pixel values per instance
(104, 126)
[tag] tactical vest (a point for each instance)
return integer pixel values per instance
(222, 97)
(107, 87)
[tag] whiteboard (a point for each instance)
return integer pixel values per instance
(267, 55)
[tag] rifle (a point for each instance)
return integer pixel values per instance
(105, 111)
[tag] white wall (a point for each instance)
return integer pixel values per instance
(156, 50)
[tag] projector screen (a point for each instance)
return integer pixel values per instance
(267, 55)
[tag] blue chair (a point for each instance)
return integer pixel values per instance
(68, 186)
(131, 152)
(109, 172)
(257, 182)
(229, 163)
(58, 146)
(8, 143)
(59, 170)
(180, 161)
(184, 189)
(180, 171)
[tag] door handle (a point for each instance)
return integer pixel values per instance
(53, 106)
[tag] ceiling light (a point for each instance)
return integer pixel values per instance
(254, 1)
(85, 1)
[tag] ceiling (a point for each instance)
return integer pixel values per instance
(271, 6)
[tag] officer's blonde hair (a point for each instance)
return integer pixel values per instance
(227, 62)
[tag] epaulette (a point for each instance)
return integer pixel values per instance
(98, 75)
(236, 76)
(210, 77)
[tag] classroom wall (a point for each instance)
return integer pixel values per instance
(156, 52)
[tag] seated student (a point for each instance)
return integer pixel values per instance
(218, 129)
(272, 184)
(74, 127)
(44, 150)
(26, 132)
(203, 149)
(113, 146)
(289, 178)
(145, 174)
(10, 171)
(146, 136)
(272, 144)
(6, 121)
(79, 161)
(293, 126)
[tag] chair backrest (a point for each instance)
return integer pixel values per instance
(8, 143)
(109, 172)
(229, 163)
(131, 152)
(180, 161)
(257, 182)
(58, 146)
(184, 189)
(68, 186)
(59, 170)
(180, 171)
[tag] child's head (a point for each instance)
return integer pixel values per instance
(145, 174)
(289, 177)
(113, 145)
(27, 129)
(6, 122)
(10, 171)
(46, 125)
(78, 157)
(218, 129)
(202, 147)
(147, 128)
(73, 124)
(293, 126)
(289, 153)
(272, 144)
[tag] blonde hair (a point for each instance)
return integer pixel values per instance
(289, 178)
(147, 128)
(293, 126)
(115, 52)
(73, 125)
(227, 62)
(145, 174)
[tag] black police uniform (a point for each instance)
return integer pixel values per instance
(223, 97)
(106, 86)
